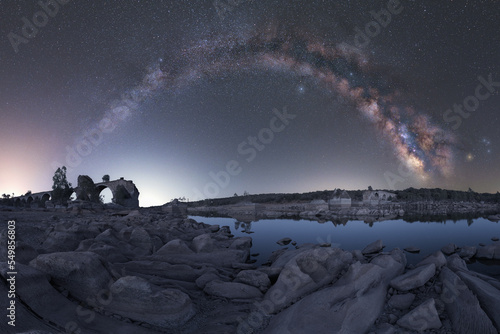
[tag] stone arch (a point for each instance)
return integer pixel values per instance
(45, 197)
(29, 200)
(102, 187)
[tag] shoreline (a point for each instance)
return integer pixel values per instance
(111, 264)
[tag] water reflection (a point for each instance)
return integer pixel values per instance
(428, 236)
(246, 227)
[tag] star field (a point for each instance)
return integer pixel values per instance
(165, 92)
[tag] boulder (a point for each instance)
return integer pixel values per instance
(401, 302)
(437, 258)
(24, 252)
(141, 239)
(487, 294)
(175, 246)
(209, 276)
(241, 243)
(135, 298)
(467, 252)
(374, 247)
(414, 278)
(83, 274)
(351, 305)
(488, 252)
(449, 249)
(232, 290)
(307, 272)
(455, 262)
(462, 306)
(214, 228)
(110, 253)
(203, 243)
(254, 278)
(284, 241)
(423, 317)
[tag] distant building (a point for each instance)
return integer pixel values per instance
(375, 197)
(340, 199)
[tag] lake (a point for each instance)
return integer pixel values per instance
(355, 234)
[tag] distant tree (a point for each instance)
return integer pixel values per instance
(28, 193)
(61, 188)
(370, 188)
(105, 178)
(245, 193)
(235, 195)
(5, 196)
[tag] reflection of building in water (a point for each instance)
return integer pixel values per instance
(246, 227)
(375, 197)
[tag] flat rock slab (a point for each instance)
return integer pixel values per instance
(307, 272)
(47, 303)
(462, 306)
(412, 249)
(180, 272)
(489, 252)
(232, 290)
(135, 298)
(351, 305)
(401, 302)
(414, 278)
(423, 317)
(487, 294)
(83, 274)
(254, 278)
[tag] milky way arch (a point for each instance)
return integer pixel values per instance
(423, 147)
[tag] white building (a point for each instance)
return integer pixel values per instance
(340, 199)
(375, 197)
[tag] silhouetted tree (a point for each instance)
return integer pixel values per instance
(105, 178)
(61, 188)
(370, 188)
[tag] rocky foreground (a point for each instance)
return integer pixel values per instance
(146, 272)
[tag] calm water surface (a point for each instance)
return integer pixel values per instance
(428, 236)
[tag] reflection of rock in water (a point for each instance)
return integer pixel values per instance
(246, 227)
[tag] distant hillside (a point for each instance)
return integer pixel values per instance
(410, 194)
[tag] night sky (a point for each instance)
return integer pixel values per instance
(202, 99)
